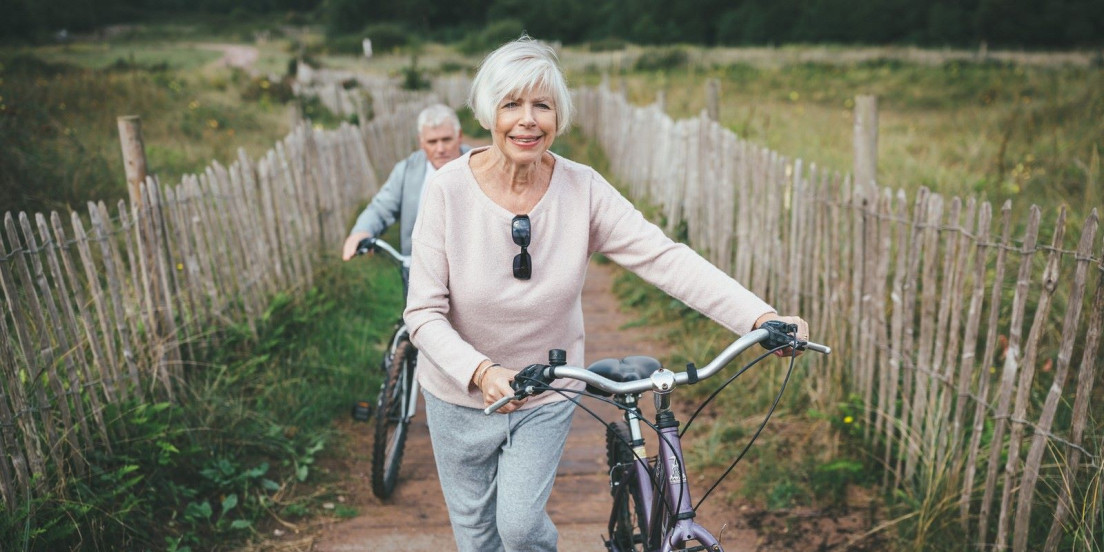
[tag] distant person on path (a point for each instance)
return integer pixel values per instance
(439, 135)
(503, 242)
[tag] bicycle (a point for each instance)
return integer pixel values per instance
(651, 508)
(397, 402)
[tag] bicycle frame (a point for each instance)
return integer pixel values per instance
(669, 514)
(661, 491)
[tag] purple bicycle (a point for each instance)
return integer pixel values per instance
(652, 508)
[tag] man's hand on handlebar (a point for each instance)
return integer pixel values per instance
(348, 251)
(791, 325)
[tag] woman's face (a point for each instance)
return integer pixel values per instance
(525, 126)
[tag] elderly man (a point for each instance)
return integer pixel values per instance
(439, 136)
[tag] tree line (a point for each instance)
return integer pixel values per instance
(1007, 23)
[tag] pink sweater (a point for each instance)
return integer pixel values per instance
(465, 305)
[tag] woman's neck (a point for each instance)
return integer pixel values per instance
(514, 177)
(516, 187)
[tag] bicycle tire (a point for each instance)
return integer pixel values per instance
(627, 521)
(391, 422)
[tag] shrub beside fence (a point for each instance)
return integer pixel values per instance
(79, 325)
(972, 418)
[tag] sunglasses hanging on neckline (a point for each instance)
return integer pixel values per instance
(521, 230)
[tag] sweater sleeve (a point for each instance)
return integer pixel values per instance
(385, 207)
(621, 232)
(427, 303)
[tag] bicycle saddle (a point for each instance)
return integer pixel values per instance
(630, 368)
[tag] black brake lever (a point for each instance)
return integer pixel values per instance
(366, 245)
(779, 334)
(530, 381)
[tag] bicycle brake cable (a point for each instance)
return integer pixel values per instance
(720, 388)
(747, 447)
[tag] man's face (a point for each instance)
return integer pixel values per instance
(440, 143)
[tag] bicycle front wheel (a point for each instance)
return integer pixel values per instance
(626, 524)
(391, 420)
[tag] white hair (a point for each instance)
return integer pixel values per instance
(437, 115)
(521, 66)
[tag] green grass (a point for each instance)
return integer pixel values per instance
(106, 55)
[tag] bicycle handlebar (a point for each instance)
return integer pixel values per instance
(369, 244)
(663, 380)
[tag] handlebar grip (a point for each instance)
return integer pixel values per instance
(817, 347)
(497, 404)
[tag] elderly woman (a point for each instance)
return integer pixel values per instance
(500, 254)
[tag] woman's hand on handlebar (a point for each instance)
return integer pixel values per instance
(495, 384)
(802, 330)
(348, 251)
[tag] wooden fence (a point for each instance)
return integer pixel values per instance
(87, 321)
(969, 414)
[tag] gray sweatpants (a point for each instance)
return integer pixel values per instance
(497, 471)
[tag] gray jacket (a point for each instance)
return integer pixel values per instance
(397, 199)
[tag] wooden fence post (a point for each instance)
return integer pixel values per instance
(165, 350)
(713, 99)
(134, 154)
(866, 143)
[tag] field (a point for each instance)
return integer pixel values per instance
(1006, 125)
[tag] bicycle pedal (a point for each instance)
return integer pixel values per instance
(362, 411)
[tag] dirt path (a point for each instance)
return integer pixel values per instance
(415, 517)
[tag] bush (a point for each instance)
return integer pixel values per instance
(386, 37)
(350, 45)
(661, 59)
(608, 44)
(455, 67)
(413, 78)
(492, 36)
(260, 89)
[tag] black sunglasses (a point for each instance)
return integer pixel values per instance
(521, 230)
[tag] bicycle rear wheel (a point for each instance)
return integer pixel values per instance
(627, 516)
(391, 421)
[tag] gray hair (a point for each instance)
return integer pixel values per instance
(522, 65)
(437, 115)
